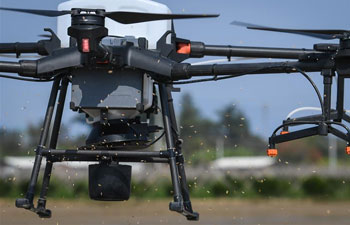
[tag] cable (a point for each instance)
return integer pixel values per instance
(153, 142)
(305, 109)
(220, 60)
(25, 79)
(295, 123)
(302, 109)
(216, 78)
(339, 124)
(315, 87)
(208, 62)
(309, 122)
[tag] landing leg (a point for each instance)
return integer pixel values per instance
(27, 202)
(177, 205)
(181, 161)
(340, 98)
(182, 203)
(41, 208)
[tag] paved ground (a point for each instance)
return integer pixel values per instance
(153, 212)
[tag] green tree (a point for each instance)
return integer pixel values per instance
(11, 142)
(234, 124)
(32, 135)
(235, 127)
(23, 143)
(200, 134)
(195, 130)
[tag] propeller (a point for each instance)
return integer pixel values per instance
(118, 16)
(322, 34)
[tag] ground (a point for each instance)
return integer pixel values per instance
(212, 212)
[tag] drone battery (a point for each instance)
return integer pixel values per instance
(122, 92)
(109, 182)
(101, 88)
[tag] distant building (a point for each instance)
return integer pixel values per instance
(242, 163)
(21, 168)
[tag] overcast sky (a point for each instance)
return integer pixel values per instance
(265, 99)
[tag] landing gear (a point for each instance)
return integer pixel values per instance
(172, 155)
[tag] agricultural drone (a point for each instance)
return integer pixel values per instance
(117, 81)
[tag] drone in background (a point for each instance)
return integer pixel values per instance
(115, 82)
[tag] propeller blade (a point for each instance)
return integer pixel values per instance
(50, 13)
(138, 17)
(322, 34)
(119, 16)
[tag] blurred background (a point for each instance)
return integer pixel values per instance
(225, 127)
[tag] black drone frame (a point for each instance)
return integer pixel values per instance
(165, 67)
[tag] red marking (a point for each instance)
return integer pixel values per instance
(85, 45)
(284, 132)
(183, 48)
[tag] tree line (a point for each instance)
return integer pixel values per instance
(202, 135)
(229, 133)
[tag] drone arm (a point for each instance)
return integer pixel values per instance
(23, 67)
(186, 71)
(199, 49)
(42, 47)
(61, 59)
(150, 61)
(18, 48)
(46, 66)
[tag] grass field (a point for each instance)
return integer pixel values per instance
(212, 212)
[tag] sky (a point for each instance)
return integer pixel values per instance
(264, 99)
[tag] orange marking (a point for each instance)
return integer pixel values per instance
(272, 152)
(347, 150)
(183, 48)
(284, 132)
